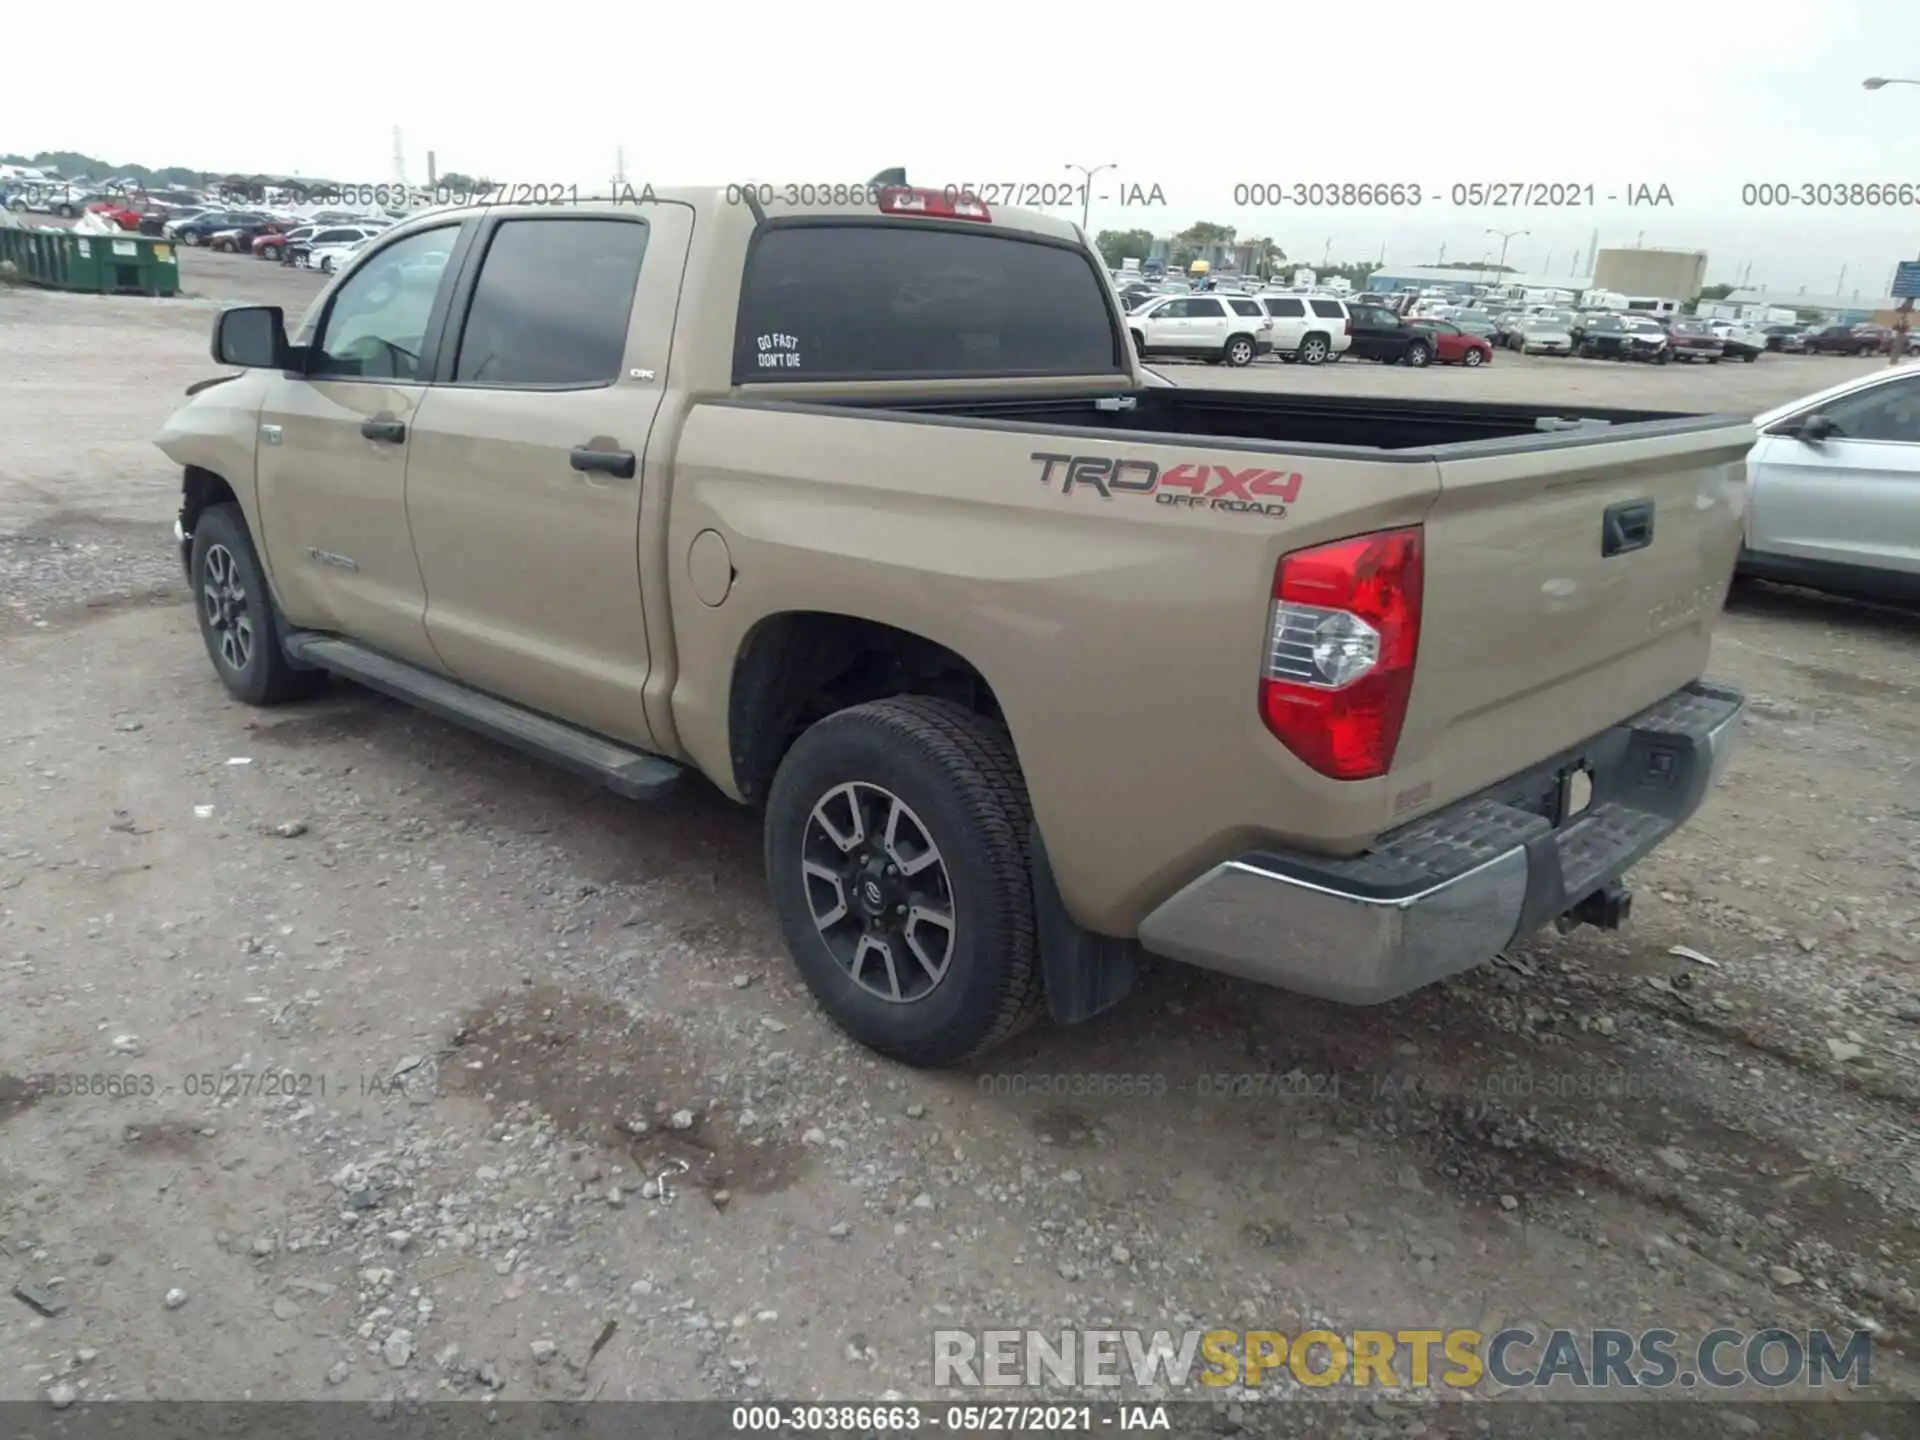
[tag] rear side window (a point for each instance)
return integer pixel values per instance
(1244, 307)
(552, 302)
(1203, 308)
(1328, 310)
(879, 301)
(1285, 308)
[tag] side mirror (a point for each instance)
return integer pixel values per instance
(1812, 428)
(253, 336)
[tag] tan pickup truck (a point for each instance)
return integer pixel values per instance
(868, 512)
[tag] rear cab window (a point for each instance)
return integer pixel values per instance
(881, 300)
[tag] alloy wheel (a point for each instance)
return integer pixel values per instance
(223, 601)
(878, 891)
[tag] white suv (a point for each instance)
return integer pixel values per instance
(1309, 328)
(1211, 327)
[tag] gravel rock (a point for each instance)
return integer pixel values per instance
(62, 1395)
(338, 1372)
(397, 1348)
(839, 1230)
(543, 1351)
(290, 829)
(681, 1120)
(1785, 1275)
(175, 1299)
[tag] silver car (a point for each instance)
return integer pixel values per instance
(1835, 489)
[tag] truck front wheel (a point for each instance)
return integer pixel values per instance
(896, 851)
(237, 618)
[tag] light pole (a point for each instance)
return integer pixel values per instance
(1086, 191)
(1899, 346)
(1505, 236)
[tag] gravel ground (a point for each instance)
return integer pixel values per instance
(510, 1004)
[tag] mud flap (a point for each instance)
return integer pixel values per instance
(1085, 973)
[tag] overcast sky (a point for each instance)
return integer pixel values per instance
(1698, 95)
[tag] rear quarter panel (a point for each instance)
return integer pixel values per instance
(1123, 634)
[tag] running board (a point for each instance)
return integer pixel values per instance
(632, 773)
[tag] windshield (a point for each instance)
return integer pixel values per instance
(1643, 327)
(1691, 327)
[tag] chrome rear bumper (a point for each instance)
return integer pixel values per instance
(1452, 890)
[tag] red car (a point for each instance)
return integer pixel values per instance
(121, 212)
(1454, 346)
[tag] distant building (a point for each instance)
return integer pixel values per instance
(1423, 277)
(1221, 259)
(1851, 309)
(1669, 274)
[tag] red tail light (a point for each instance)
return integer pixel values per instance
(1349, 324)
(1345, 626)
(948, 204)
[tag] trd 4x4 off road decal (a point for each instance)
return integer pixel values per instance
(1247, 490)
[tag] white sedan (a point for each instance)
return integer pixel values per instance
(329, 258)
(1542, 335)
(1834, 485)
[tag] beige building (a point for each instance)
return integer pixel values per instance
(1667, 274)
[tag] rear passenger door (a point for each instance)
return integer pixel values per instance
(1289, 314)
(528, 465)
(1207, 325)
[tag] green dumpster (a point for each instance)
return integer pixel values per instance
(116, 264)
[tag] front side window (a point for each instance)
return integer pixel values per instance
(1286, 309)
(1205, 309)
(376, 324)
(552, 303)
(1889, 412)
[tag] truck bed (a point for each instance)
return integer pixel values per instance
(1305, 422)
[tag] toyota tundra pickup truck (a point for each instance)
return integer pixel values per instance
(866, 511)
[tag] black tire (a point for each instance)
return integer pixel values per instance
(1472, 358)
(67, 212)
(1750, 357)
(269, 252)
(1314, 349)
(1419, 356)
(958, 776)
(1239, 351)
(221, 546)
(1139, 343)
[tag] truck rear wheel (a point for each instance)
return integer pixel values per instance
(1314, 350)
(1239, 351)
(237, 618)
(897, 855)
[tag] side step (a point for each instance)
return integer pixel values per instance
(632, 773)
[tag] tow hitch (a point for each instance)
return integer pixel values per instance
(1608, 908)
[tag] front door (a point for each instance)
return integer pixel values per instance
(529, 460)
(332, 451)
(1850, 499)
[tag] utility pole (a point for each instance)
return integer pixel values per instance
(399, 159)
(1506, 237)
(432, 176)
(1903, 318)
(1087, 173)
(619, 169)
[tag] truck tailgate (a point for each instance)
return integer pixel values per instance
(1567, 586)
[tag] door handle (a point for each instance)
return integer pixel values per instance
(394, 431)
(618, 463)
(1626, 526)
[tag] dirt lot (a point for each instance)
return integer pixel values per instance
(494, 987)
